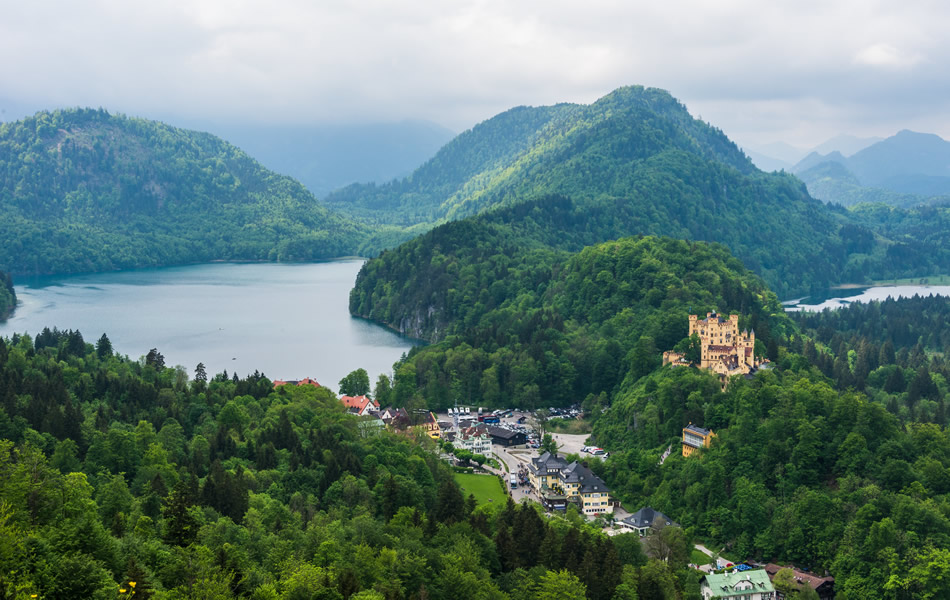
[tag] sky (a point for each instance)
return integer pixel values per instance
(798, 72)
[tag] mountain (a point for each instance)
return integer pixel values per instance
(632, 163)
(831, 181)
(329, 156)
(82, 190)
(559, 149)
(901, 157)
(845, 144)
(781, 155)
(906, 169)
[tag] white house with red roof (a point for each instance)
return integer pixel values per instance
(360, 405)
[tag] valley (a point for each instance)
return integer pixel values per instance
(547, 257)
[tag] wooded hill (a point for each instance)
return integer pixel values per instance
(83, 190)
(634, 163)
(7, 295)
(535, 327)
(120, 476)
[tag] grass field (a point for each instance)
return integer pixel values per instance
(698, 557)
(485, 488)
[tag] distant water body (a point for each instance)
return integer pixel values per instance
(840, 298)
(286, 321)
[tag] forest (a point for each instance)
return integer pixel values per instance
(82, 190)
(122, 476)
(7, 295)
(532, 328)
(835, 458)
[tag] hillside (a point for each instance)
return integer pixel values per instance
(831, 181)
(534, 327)
(543, 150)
(120, 475)
(633, 163)
(7, 295)
(83, 190)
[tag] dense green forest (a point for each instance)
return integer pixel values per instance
(837, 458)
(635, 163)
(83, 190)
(115, 471)
(532, 328)
(7, 295)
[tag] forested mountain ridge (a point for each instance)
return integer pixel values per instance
(82, 190)
(512, 154)
(533, 327)
(7, 295)
(634, 163)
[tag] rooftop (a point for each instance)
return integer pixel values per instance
(739, 583)
(646, 516)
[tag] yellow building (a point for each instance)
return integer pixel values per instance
(695, 437)
(573, 482)
(723, 348)
(430, 425)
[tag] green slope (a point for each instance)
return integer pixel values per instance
(536, 327)
(7, 295)
(633, 163)
(83, 190)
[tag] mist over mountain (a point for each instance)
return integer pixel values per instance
(325, 157)
(781, 155)
(906, 169)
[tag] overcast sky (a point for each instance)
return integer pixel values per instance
(763, 71)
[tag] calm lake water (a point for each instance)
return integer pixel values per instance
(287, 321)
(839, 298)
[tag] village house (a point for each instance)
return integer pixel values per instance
(474, 439)
(558, 482)
(430, 425)
(645, 519)
(507, 437)
(359, 405)
(740, 585)
(823, 586)
(696, 437)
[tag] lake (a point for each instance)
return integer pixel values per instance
(840, 297)
(288, 321)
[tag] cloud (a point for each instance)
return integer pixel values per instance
(463, 61)
(885, 55)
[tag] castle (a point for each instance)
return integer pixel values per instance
(723, 348)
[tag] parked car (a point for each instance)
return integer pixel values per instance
(600, 452)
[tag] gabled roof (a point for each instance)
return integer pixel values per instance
(360, 403)
(546, 462)
(584, 477)
(501, 432)
(737, 583)
(647, 516)
(801, 577)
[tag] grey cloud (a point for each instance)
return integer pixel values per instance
(758, 70)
